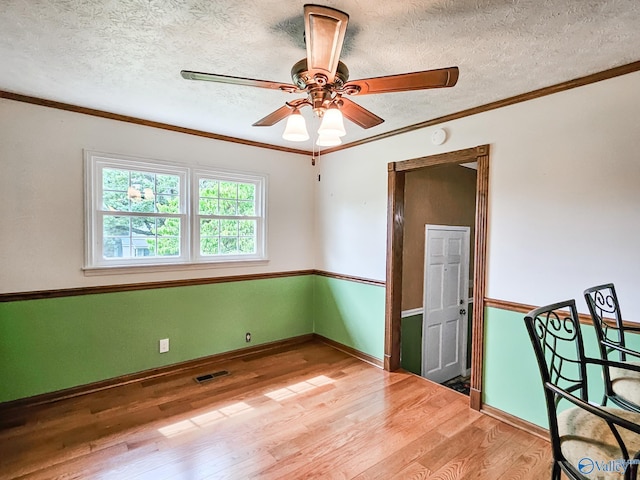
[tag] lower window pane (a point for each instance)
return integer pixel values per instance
(143, 226)
(247, 245)
(228, 245)
(168, 247)
(116, 247)
(209, 246)
(116, 226)
(143, 236)
(131, 237)
(247, 227)
(168, 227)
(229, 228)
(209, 227)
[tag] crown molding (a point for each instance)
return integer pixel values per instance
(141, 121)
(542, 92)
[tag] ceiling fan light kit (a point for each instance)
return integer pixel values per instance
(328, 141)
(296, 129)
(332, 124)
(325, 81)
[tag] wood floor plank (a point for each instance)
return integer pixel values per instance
(531, 464)
(306, 411)
(485, 459)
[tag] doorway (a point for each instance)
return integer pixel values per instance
(395, 228)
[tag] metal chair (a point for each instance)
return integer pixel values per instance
(621, 385)
(588, 441)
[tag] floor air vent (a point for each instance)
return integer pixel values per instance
(210, 376)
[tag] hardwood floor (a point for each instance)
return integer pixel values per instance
(309, 411)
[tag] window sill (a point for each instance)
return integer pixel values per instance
(168, 267)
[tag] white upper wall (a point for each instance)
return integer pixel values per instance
(42, 182)
(564, 195)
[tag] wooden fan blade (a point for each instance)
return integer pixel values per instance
(444, 77)
(274, 117)
(324, 35)
(359, 115)
(250, 82)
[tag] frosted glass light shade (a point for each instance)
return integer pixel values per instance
(328, 140)
(148, 194)
(332, 124)
(296, 129)
(134, 194)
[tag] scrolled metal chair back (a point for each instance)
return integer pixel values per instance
(603, 305)
(557, 339)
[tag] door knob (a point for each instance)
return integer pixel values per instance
(463, 311)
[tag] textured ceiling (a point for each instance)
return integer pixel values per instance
(125, 56)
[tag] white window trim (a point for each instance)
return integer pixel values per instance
(95, 264)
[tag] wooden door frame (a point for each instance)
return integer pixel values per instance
(395, 231)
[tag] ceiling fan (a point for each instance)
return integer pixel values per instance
(325, 80)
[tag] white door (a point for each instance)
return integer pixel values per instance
(446, 283)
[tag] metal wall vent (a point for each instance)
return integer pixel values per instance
(210, 376)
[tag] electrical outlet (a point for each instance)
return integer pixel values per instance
(164, 345)
(247, 337)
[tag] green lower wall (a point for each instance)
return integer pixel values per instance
(53, 344)
(411, 344)
(511, 379)
(350, 313)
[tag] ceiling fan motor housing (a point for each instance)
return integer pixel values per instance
(321, 93)
(303, 78)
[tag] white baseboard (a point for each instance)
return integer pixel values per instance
(413, 312)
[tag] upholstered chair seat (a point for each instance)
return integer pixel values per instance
(626, 383)
(587, 442)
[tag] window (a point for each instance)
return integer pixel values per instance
(228, 215)
(145, 213)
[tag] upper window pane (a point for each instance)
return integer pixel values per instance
(246, 191)
(126, 190)
(229, 190)
(115, 179)
(226, 198)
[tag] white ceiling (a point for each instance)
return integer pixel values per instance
(125, 56)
